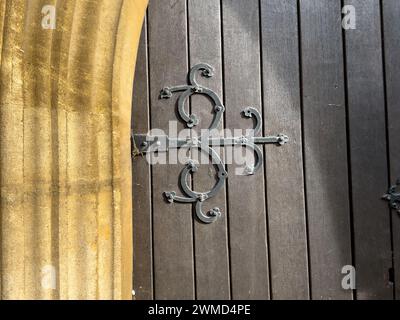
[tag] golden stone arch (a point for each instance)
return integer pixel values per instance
(65, 103)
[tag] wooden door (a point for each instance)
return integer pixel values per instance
(315, 205)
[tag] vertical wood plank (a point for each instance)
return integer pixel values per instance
(142, 217)
(325, 147)
(211, 247)
(285, 181)
(247, 213)
(391, 14)
(172, 223)
(369, 170)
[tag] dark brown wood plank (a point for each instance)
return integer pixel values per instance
(211, 241)
(247, 213)
(285, 181)
(172, 223)
(325, 147)
(369, 170)
(391, 15)
(141, 193)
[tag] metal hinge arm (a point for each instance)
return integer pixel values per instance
(143, 144)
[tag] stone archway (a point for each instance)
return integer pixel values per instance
(65, 103)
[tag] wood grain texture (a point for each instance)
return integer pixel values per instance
(369, 172)
(142, 215)
(286, 232)
(391, 14)
(65, 98)
(246, 197)
(211, 241)
(285, 181)
(325, 147)
(173, 238)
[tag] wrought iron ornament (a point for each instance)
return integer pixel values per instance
(205, 142)
(393, 196)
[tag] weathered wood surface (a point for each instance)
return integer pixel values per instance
(316, 205)
(369, 172)
(211, 241)
(325, 146)
(141, 193)
(246, 194)
(391, 27)
(172, 223)
(284, 166)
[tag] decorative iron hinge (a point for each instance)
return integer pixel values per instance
(393, 196)
(143, 144)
